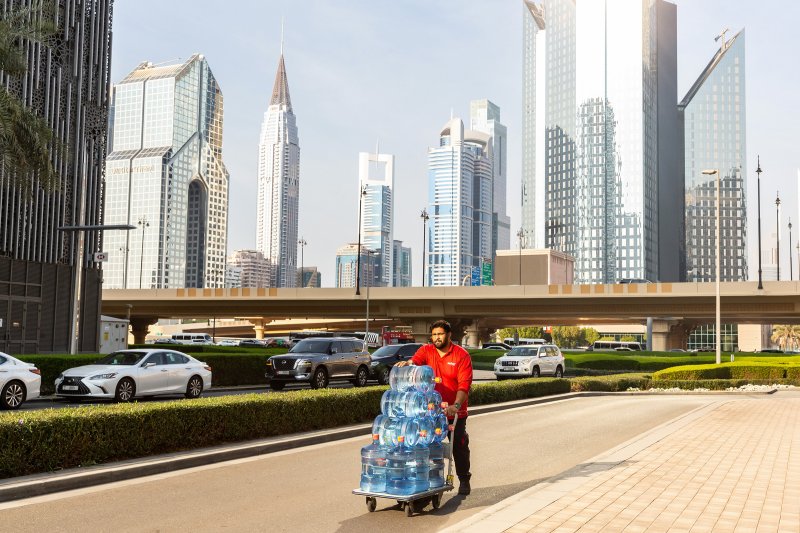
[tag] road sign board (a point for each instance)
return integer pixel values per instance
(486, 278)
(475, 279)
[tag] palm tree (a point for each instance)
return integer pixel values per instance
(26, 140)
(787, 336)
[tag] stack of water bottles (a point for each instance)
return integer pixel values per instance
(406, 455)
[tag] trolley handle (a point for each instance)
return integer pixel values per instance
(450, 454)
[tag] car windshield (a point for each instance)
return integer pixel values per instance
(522, 351)
(386, 350)
(122, 358)
(311, 346)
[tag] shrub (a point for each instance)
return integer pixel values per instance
(616, 383)
(748, 370)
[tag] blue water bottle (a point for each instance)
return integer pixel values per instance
(405, 403)
(373, 466)
(422, 466)
(398, 463)
(420, 378)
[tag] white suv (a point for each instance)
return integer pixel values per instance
(530, 361)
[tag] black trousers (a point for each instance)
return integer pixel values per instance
(460, 442)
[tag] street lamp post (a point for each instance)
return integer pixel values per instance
(790, 251)
(778, 232)
(371, 265)
(717, 332)
(302, 242)
(520, 235)
(758, 173)
(143, 223)
(424, 216)
(362, 192)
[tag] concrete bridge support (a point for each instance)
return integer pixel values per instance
(476, 333)
(421, 329)
(668, 334)
(140, 326)
(258, 326)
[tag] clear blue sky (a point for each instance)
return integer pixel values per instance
(363, 70)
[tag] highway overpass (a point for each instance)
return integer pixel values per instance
(673, 306)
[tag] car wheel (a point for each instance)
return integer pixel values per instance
(383, 377)
(320, 379)
(276, 385)
(361, 377)
(13, 395)
(559, 372)
(195, 387)
(535, 372)
(126, 390)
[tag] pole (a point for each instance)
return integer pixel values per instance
(790, 250)
(361, 194)
(302, 242)
(778, 233)
(144, 224)
(758, 173)
(521, 235)
(424, 216)
(718, 329)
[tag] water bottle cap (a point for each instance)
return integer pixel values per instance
(424, 432)
(444, 405)
(438, 431)
(431, 406)
(437, 379)
(376, 436)
(400, 439)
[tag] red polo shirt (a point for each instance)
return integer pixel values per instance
(454, 367)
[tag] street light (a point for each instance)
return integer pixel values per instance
(718, 327)
(143, 223)
(790, 250)
(371, 264)
(778, 232)
(302, 242)
(520, 235)
(361, 194)
(758, 173)
(424, 216)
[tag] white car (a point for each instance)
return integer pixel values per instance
(127, 374)
(530, 362)
(19, 381)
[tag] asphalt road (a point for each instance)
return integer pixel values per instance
(52, 402)
(309, 489)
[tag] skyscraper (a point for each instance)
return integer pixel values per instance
(166, 176)
(402, 265)
(713, 120)
(376, 172)
(247, 268)
(279, 184)
(347, 265)
(66, 83)
(484, 116)
(459, 204)
(601, 63)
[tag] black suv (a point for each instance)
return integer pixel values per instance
(319, 360)
(383, 359)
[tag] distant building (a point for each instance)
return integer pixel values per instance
(347, 267)
(530, 266)
(166, 176)
(402, 265)
(247, 268)
(279, 184)
(376, 173)
(713, 118)
(459, 204)
(309, 277)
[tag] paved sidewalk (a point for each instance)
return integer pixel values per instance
(733, 465)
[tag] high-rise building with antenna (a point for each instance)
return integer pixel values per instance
(279, 184)
(376, 172)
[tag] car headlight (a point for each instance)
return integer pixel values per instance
(526, 360)
(302, 362)
(374, 363)
(104, 376)
(269, 362)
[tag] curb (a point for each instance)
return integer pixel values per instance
(77, 478)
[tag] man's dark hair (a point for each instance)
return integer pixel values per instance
(444, 324)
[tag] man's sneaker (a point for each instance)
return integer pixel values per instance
(464, 488)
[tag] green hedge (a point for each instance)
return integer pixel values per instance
(745, 370)
(615, 383)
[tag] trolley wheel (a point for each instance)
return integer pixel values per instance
(436, 501)
(371, 504)
(409, 509)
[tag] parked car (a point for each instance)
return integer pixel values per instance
(165, 340)
(496, 346)
(318, 361)
(227, 342)
(677, 350)
(252, 342)
(383, 359)
(530, 361)
(128, 374)
(19, 381)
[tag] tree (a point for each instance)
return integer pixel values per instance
(526, 332)
(27, 142)
(566, 336)
(590, 335)
(628, 338)
(787, 336)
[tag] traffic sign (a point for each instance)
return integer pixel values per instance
(475, 280)
(487, 274)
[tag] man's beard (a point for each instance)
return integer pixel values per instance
(441, 343)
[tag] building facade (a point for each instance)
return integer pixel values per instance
(591, 104)
(402, 265)
(460, 193)
(166, 176)
(713, 119)
(309, 277)
(67, 83)
(247, 268)
(376, 179)
(484, 116)
(279, 184)
(347, 265)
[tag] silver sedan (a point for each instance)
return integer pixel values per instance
(128, 374)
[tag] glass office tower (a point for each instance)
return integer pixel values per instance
(376, 172)
(279, 185)
(402, 265)
(591, 151)
(459, 204)
(166, 176)
(713, 117)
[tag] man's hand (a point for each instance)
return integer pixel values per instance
(402, 363)
(451, 411)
